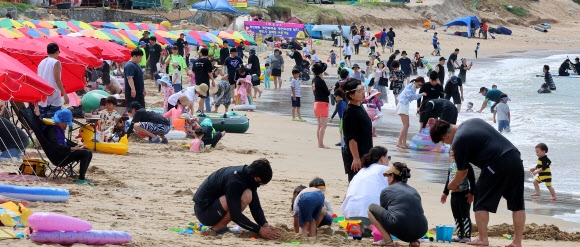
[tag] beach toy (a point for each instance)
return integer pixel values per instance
(87, 134)
(354, 230)
(377, 236)
(14, 215)
(423, 142)
(338, 219)
(73, 99)
(92, 100)
(262, 77)
(507, 236)
(34, 193)
(94, 237)
(44, 221)
(444, 233)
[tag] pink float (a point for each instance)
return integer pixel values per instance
(94, 237)
(42, 221)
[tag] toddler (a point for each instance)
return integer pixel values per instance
(438, 50)
(476, 49)
(340, 106)
(267, 74)
(461, 200)
(332, 58)
(167, 91)
(542, 169)
(374, 105)
(502, 111)
(307, 209)
(109, 118)
(469, 107)
(295, 87)
(197, 144)
(244, 82)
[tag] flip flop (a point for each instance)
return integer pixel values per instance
(78, 181)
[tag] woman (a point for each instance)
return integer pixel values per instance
(357, 128)
(321, 101)
(175, 57)
(405, 98)
(347, 52)
(72, 151)
(255, 70)
(381, 80)
(400, 212)
(421, 68)
(397, 78)
(463, 68)
(277, 65)
(365, 188)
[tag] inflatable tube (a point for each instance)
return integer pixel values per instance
(43, 221)
(422, 141)
(443, 149)
(541, 29)
(249, 100)
(504, 30)
(34, 193)
(87, 134)
(94, 237)
(262, 77)
(245, 107)
(176, 134)
(231, 121)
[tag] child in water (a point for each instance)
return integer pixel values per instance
(469, 107)
(307, 209)
(542, 169)
(548, 78)
(461, 200)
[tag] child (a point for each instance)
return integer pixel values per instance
(308, 210)
(461, 200)
(548, 78)
(340, 105)
(197, 144)
(321, 185)
(438, 50)
(544, 88)
(176, 76)
(493, 86)
(476, 49)
(109, 118)
(341, 66)
(542, 169)
(179, 109)
(267, 74)
(332, 58)
(167, 91)
(502, 111)
(374, 107)
(469, 107)
(368, 68)
(244, 82)
(295, 87)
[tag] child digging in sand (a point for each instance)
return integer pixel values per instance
(197, 144)
(307, 208)
(460, 202)
(542, 169)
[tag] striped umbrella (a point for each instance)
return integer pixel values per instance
(26, 23)
(32, 32)
(213, 36)
(41, 24)
(160, 39)
(5, 32)
(98, 34)
(121, 25)
(129, 43)
(59, 24)
(248, 38)
(79, 25)
(129, 35)
(7, 22)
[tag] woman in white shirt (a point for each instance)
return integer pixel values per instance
(347, 53)
(366, 186)
(381, 81)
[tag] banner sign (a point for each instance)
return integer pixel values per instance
(289, 30)
(238, 3)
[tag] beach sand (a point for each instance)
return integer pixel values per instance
(150, 189)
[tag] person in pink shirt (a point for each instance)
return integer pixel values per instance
(244, 85)
(179, 109)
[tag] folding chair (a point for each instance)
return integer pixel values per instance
(61, 167)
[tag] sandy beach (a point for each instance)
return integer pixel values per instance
(150, 189)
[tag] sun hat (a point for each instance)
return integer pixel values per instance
(202, 89)
(184, 100)
(504, 97)
(213, 90)
(164, 79)
(392, 170)
(355, 66)
(373, 54)
(142, 43)
(63, 116)
(397, 52)
(373, 93)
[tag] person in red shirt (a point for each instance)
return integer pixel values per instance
(485, 27)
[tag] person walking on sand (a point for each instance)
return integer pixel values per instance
(435, 41)
(502, 172)
(321, 101)
(542, 169)
(223, 196)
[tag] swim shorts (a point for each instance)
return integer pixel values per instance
(321, 109)
(456, 97)
(156, 129)
(211, 215)
(295, 103)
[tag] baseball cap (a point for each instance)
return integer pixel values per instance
(453, 79)
(504, 97)
(142, 43)
(63, 116)
(442, 59)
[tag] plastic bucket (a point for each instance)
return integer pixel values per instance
(444, 233)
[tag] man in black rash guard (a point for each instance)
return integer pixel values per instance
(439, 109)
(224, 195)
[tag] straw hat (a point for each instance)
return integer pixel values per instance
(184, 100)
(213, 90)
(202, 89)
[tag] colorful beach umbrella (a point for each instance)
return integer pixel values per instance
(59, 24)
(213, 36)
(32, 32)
(77, 46)
(120, 25)
(248, 37)
(21, 83)
(78, 26)
(30, 52)
(41, 24)
(131, 26)
(108, 50)
(26, 23)
(98, 34)
(128, 42)
(7, 33)
(160, 39)
(129, 35)
(7, 22)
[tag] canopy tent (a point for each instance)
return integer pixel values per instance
(464, 21)
(217, 5)
(294, 20)
(326, 30)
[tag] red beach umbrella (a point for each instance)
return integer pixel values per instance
(20, 83)
(78, 47)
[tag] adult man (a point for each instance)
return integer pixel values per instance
(391, 34)
(485, 27)
(240, 49)
(203, 74)
(392, 58)
(353, 30)
(134, 83)
(406, 66)
(577, 66)
(564, 67)
(150, 123)
(223, 196)
(452, 62)
(50, 70)
(439, 109)
(435, 40)
(153, 56)
(233, 63)
(224, 53)
(502, 171)
(440, 69)
(384, 37)
(145, 38)
(454, 89)
(14, 140)
(295, 54)
(434, 90)
(181, 43)
(493, 95)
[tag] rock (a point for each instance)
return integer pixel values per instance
(41, 11)
(13, 12)
(31, 14)
(3, 12)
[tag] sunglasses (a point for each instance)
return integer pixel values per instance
(359, 87)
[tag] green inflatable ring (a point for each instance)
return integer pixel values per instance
(92, 100)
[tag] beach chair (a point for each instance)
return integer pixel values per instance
(59, 166)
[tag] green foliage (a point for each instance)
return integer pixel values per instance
(518, 11)
(19, 6)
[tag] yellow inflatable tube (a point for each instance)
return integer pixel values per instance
(87, 135)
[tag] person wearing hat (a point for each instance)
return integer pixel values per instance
(168, 90)
(357, 74)
(454, 90)
(50, 69)
(233, 63)
(134, 82)
(153, 54)
(254, 67)
(399, 197)
(405, 98)
(374, 105)
(181, 43)
(202, 91)
(203, 70)
(452, 62)
(190, 92)
(392, 58)
(145, 37)
(67, 148)
(149, 123)
(177, 111)
(503, 114)
(476, 142)
(493, 95)
(440, 69)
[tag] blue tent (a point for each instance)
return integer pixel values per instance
(326, 30)
(219, 6)
(464, 21)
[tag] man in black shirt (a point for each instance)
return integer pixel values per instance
(564, 67)
(240, 49)
(441, 70)
(391, 59)
(434, 90)
(439, 109)
(181, 43)
(145, 38)
(391, 34)
(154, 56)
(224, 53)
(502, 171)
(233, 63)
(577, 66)
(297, 57)
(454, 89)
(150, 123)
(223, 196)
(452, 62)
(202, 69)
(134, 83)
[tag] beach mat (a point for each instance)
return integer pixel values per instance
(10, 176)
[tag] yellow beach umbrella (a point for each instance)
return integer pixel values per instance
(26, 23)
(7, 22)
(10, 33)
